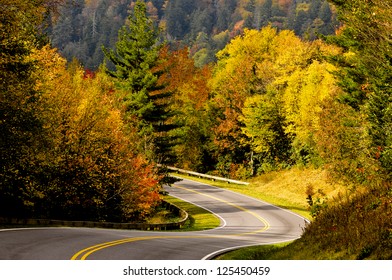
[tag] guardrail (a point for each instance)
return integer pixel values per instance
(138, 226)
(201, 175)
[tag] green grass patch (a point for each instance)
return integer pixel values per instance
(163, 216)
(262, 252)
(199, 218)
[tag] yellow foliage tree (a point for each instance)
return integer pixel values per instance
(304, 97)
(270, 87)
(89, 167)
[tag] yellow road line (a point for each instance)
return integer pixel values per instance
(90, 250)
(107, 244)
(83, 254)
(264, 221)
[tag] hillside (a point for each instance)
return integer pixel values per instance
(206, 26)
(345, 223)
(92, 145)
(350, 227)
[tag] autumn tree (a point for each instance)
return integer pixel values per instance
(89, 167)
(269, 91)
(305, 99)
(253, 67)
(20, 127)
(65, 150)
(190, 102)
(241, 72)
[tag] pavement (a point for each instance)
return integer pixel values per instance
(245, 221)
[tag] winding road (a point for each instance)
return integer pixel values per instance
(244, 221)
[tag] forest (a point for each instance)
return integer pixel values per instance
(90, 139)
(205, 26)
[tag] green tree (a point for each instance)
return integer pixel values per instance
(264, 123)
(137, 71)
(365, 78)
(314, 8)
(266, 12)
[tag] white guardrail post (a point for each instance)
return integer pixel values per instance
(201, 175)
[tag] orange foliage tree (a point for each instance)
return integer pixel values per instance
(89, 168)
(190, 107)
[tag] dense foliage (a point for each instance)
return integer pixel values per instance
(87, 144)
(357, 141)
(269, 88)
(205, 26)
(137, 74)
(19, 99)
(65, 149)
(365, 77)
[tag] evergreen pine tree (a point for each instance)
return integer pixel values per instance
(136, 61)
(266, 12)
(365, 76)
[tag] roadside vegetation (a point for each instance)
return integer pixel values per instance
(306, 120)
(199, 218)
(344, 224)
(204, 26)
(352, 228)
(288, 189)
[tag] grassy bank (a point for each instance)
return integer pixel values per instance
(352, 228)
(199, 218)
(351, 225)
(263, 252)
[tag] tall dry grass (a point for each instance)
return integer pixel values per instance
(354, 227)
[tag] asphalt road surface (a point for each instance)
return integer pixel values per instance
(244, 221)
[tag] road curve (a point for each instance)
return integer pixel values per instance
(244, 221)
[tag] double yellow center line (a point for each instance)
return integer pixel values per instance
(83, 254)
